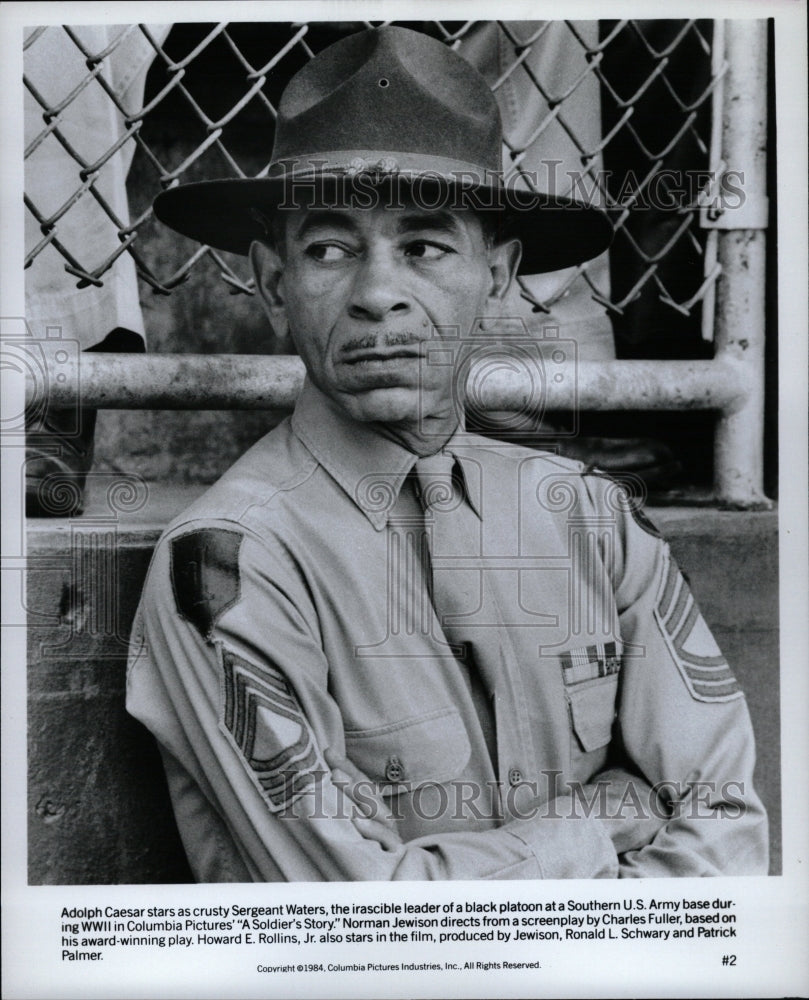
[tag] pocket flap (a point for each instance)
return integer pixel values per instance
(592, 708)
(432, 747)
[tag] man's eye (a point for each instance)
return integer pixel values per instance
(424, 250)
(327, 253)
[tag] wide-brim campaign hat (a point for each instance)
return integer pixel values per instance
(377, 114)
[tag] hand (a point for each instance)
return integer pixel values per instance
(371, 813)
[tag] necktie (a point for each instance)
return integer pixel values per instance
(453, 532)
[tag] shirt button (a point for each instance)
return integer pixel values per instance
(394, 770)
(514, 776)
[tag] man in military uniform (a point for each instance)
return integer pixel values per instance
(381, 647)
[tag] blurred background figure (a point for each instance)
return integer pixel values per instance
(550, 103)
(78, 152)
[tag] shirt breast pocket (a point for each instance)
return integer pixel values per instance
(592, 712)
(428, 749)
(591, 675)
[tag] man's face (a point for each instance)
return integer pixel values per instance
(368, 292)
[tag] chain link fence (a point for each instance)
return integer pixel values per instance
(660, 123)
(627, 117)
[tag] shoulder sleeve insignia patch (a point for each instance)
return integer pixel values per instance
(703, 667)
(643, 520)
(270, 731)
(205, 575)
(632, 500)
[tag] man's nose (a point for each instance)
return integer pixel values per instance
(377, 290)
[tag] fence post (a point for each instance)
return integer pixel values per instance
(740, 300)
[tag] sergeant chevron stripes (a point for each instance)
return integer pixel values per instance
(269, 729)
(702, 665)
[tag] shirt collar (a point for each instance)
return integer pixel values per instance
(368, 466)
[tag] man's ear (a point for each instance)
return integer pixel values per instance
(268, 271)
(504, 259)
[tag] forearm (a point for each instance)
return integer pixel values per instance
(325, 835)
(707, 835)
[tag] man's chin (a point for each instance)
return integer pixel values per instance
(385, 404)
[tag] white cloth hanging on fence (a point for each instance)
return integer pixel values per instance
(91, 124)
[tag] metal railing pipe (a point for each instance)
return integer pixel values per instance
(740, 292)
(259, 382)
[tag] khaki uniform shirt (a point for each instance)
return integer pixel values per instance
(288, 612)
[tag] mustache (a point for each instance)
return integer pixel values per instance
(400, 338)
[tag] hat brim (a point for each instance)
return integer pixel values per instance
(555, 232)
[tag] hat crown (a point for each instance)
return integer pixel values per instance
(390, 91)
(381, 104)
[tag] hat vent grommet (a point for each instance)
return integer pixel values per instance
(384, 82)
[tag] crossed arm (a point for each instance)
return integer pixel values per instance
(298, 809)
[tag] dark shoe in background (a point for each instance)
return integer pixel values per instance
(648, 459)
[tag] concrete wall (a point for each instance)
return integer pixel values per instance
(98, 808)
